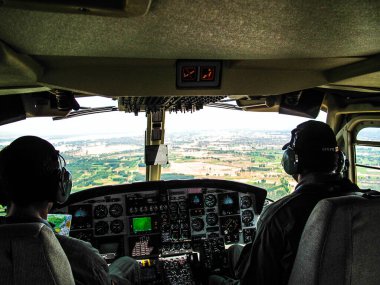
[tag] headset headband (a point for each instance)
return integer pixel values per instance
(294, 138)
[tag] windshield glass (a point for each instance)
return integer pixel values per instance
(108, 149)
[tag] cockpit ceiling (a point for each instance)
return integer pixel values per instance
(266, 47)
(221, 29)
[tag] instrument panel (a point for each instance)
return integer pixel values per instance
(160, 226)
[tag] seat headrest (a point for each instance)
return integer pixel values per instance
(339, 243)
(31, 254)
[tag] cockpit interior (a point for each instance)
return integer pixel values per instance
(156, 57)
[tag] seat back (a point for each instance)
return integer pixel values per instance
(340, 243)
(31, 254)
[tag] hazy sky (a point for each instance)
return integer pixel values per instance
(123, 123)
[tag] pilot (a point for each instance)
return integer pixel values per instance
(33, 176)
(313, 159)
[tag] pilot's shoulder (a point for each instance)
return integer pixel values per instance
(73, 246)
(87, 264)
(279, 206)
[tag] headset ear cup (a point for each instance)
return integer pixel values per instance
(289, 161)
(340, 162)
(64, 186)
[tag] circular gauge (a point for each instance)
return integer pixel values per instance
(197, 224)
(117, 226)
(116, 210)
(247, 216)
(100, 211)
(212, 219)
(173, 206)
(210, 200)
(101, 228)
(245, 202)
(164, 218)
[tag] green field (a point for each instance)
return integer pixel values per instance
(247, 157)
(255, 161)
(251, 158)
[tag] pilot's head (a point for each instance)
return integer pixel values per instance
(32, 171)
(312, 148)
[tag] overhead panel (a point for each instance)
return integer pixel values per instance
(171, 104)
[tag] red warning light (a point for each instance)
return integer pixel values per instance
(198, 74)
(207, 73)
(189, 73)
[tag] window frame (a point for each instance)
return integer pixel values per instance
(360, 124)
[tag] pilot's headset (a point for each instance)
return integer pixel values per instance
(290, 159)
(64, 179)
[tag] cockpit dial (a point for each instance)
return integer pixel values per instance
(210, 200)
(117, 226)
(116, 210)
(247, 216)
(173, 207)
(100, 211)
(101, 228)
(211, 219)
(197, 224)
(245, 202)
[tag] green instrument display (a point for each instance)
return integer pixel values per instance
(142, 224)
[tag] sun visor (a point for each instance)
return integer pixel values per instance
(156, 154)
(305, 103)
(11, 109)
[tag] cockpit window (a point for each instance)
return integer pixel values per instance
(225, 144)
(367, 158)
(108, 149)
